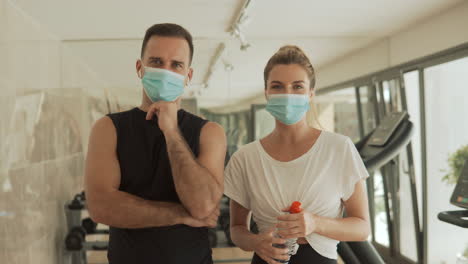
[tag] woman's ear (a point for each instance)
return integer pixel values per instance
(312, 94)
(265, 91)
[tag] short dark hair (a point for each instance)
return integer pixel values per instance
(168, 30)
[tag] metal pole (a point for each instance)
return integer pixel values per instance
(412, 178)
(382, 100)
(370, 193)
(393, 168)
(359, 111)
(387, 210)
(376, 103)
(424, 165)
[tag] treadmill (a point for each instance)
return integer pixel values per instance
(459, 198)
(379, 147)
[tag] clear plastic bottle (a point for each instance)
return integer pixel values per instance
(291, 245)
(281, 246)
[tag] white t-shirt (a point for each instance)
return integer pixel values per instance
(320, 179)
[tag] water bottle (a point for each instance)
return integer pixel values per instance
(291, 243)
(286, 245)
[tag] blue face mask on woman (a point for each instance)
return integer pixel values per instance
(288, 108)
(162, 85)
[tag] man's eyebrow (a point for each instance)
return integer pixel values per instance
(181, 62)
(155, 58)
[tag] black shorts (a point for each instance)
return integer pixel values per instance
(305, 255)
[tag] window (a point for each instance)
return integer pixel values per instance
(264, 122)
(407, 230)
(367, 106)
(346, 117)
(446, 90)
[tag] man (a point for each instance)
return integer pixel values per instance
(154, 174)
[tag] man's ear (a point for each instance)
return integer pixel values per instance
(189, 76)
(139, 70)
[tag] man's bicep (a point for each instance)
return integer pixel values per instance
(213, 150)
(102, 167)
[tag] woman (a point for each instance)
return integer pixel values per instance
(296, 162)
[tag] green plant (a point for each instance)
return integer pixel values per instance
(456, 162)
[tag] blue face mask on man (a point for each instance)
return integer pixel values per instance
(162, 85)
(288, 108)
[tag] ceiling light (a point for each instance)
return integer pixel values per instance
(241, 21)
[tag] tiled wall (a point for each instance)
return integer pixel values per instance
(48, 101)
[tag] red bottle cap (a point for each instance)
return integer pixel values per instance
(295, 208)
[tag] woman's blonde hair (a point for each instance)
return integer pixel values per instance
(290, 54)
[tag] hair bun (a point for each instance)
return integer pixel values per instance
(291, 48)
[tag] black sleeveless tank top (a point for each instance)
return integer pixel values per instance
(146, 172)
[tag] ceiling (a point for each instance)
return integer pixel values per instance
(107, 34)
